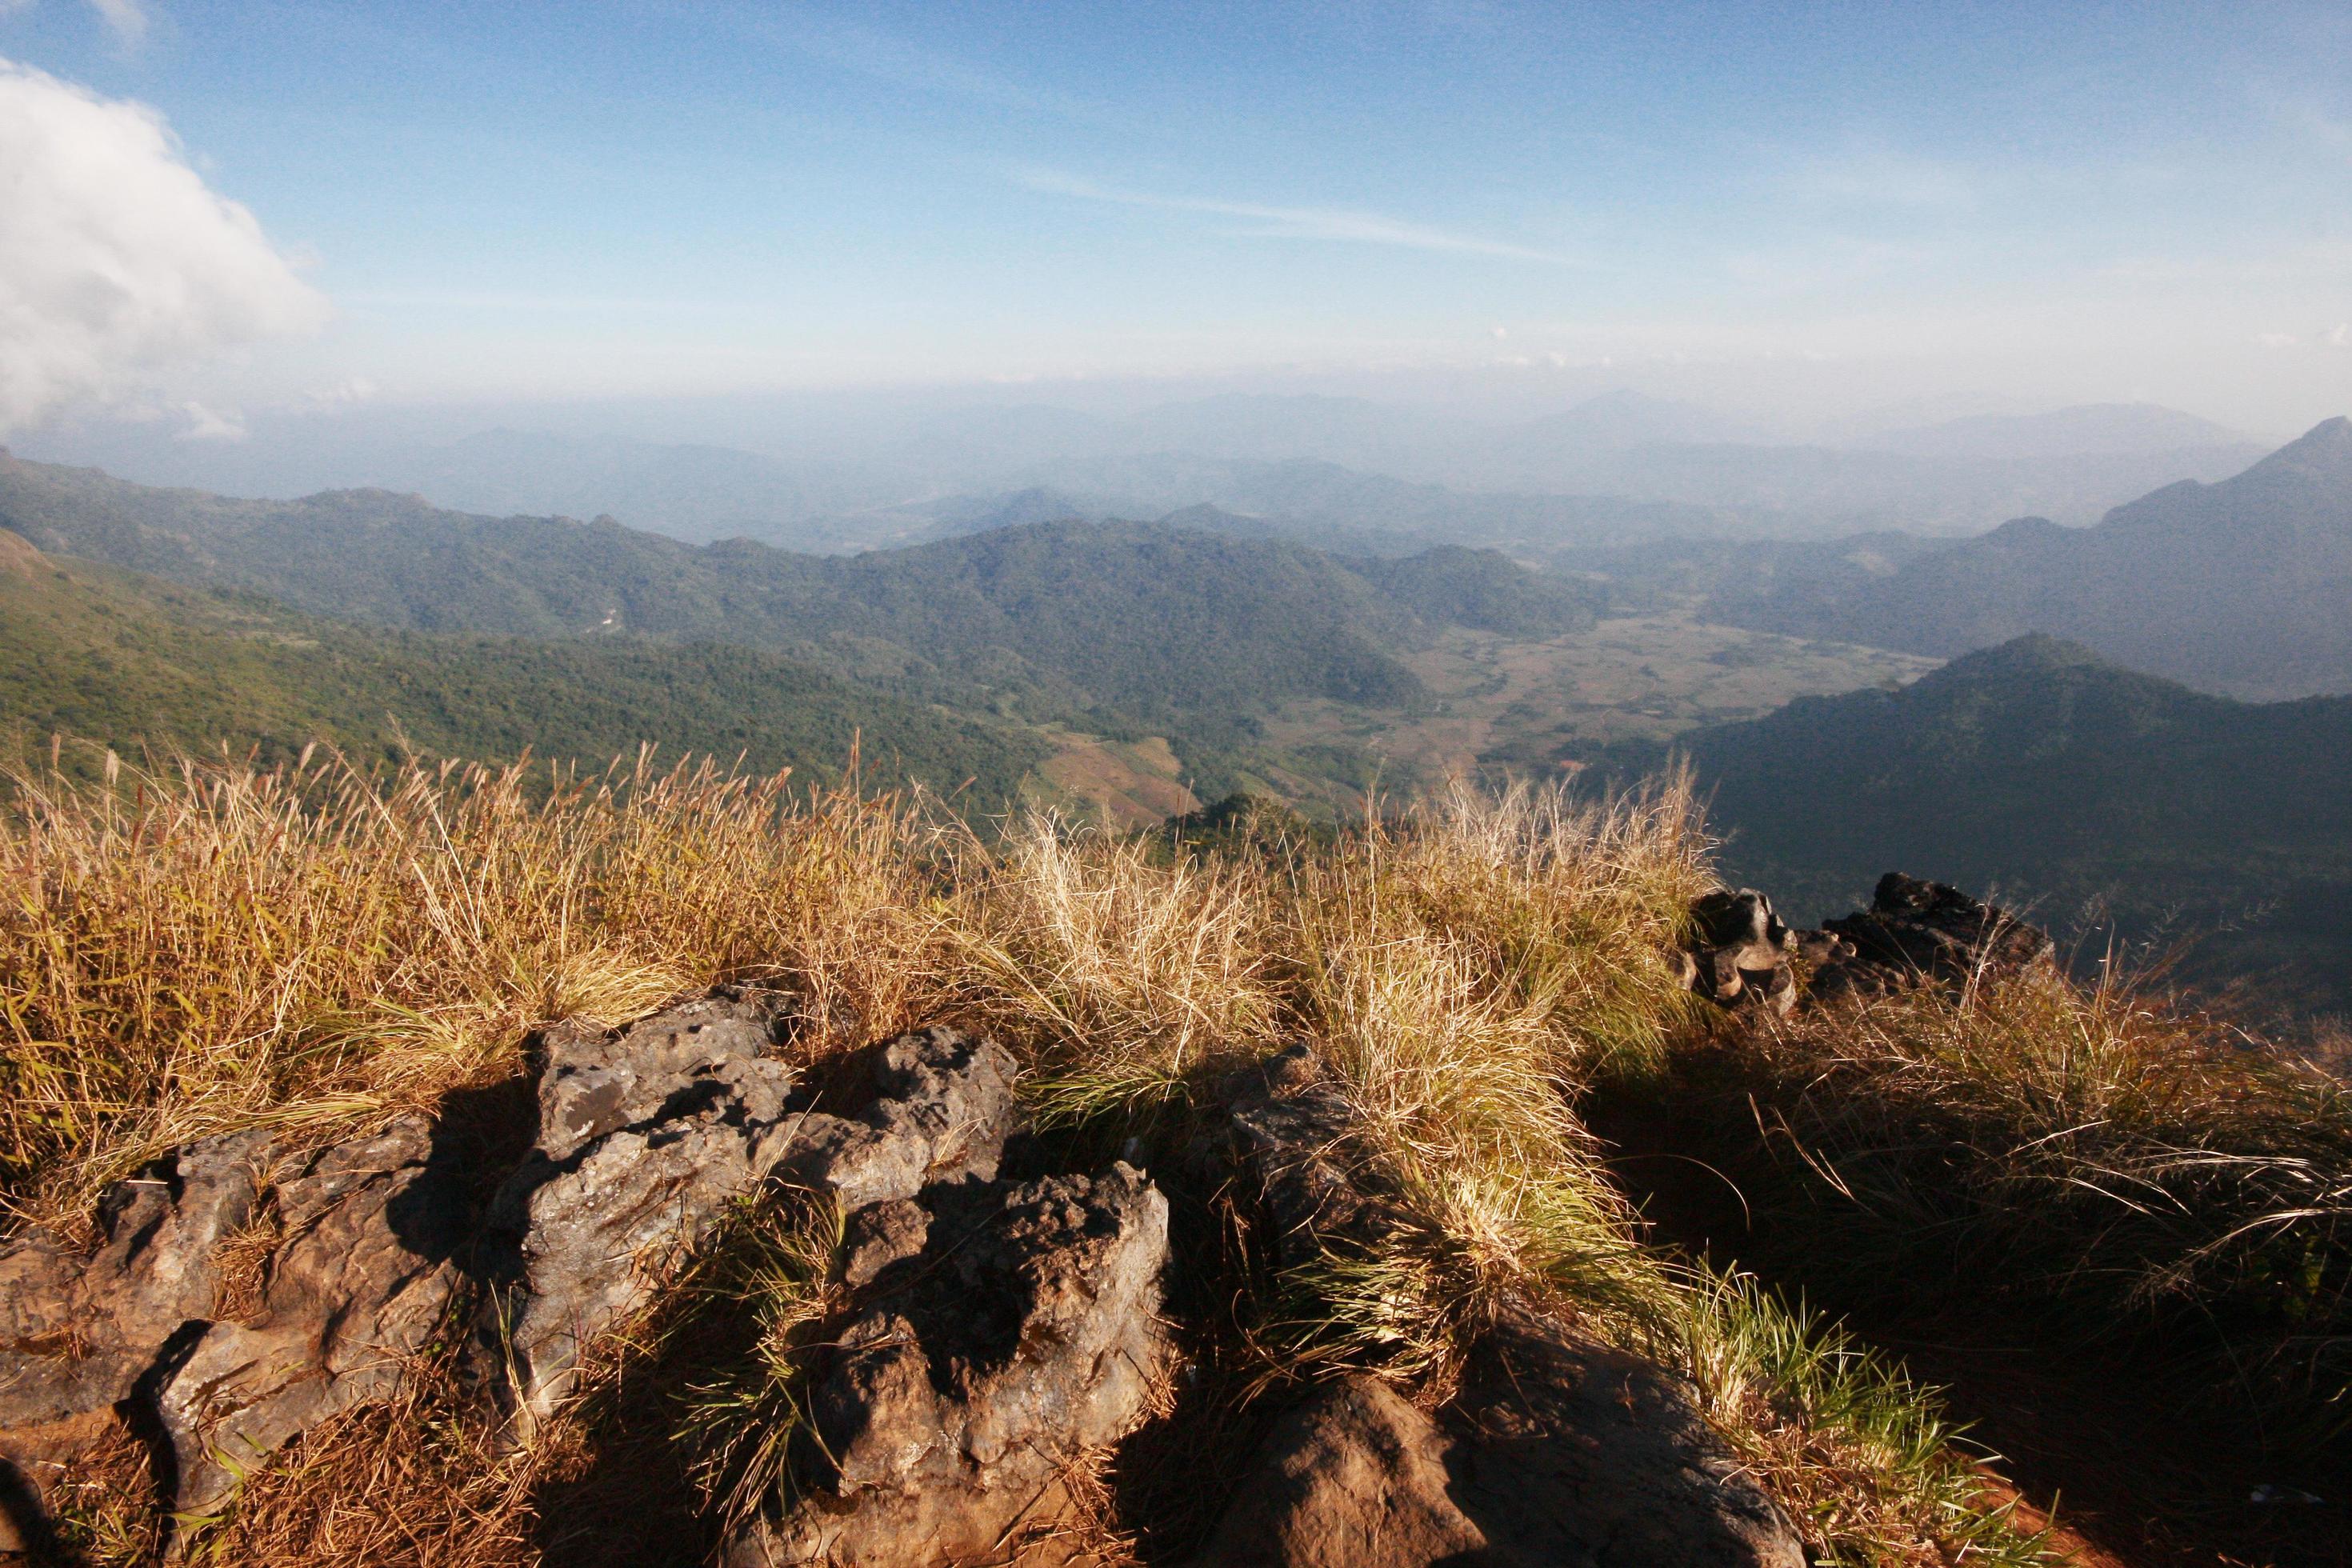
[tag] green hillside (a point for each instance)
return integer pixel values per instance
(2060, 780)
(1109, 622)
(104, 655)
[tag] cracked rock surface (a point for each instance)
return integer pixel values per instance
(1013, 1334)
(78, 1333)
(943, 1109)
(360, 1284)
(645, 1134)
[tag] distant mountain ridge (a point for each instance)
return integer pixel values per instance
(2243, 587)
(2037, 769)
(97, 654)
(1150, 621)
(1574, 476)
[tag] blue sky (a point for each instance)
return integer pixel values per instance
(511, 199)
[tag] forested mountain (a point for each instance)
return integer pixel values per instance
(102, 655)
(2243, 587)
(1149, 620)
(2039, 770)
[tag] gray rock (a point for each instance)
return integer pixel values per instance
(648, 1132)
(358, 1288)
(973, 1374)
(78, 1333)
(645, 1134)
(943, 1108)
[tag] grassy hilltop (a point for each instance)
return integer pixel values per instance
(317, 948)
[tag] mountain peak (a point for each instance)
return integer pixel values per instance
(2323, 452)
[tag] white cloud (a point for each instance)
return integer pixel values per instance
(2277, 340)
(2339, 336)
(117, 265)
(1341, 224)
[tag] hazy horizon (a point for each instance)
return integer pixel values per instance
(638, 217)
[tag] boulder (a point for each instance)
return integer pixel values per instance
(77, 1332)
(1737, 952)
(359, 1287)
(645, 1134)
(1571, 1451)
(1915, 931)
(1556, 1451)
(1354, 1477)
(1000, 1340)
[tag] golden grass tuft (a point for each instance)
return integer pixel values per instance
(202, 948)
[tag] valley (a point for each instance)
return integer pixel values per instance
(1499, 708)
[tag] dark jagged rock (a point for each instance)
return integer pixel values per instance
(359, 1287)
(1739, 952)
(1554, 1449)
(645, 1134)
(1018, 1337)
(944, 1107)
(1916, 931)
(78, 1333)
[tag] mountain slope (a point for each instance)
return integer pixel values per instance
(100, 654)
(2039, 770)
(1144, 619)
(2243, 587)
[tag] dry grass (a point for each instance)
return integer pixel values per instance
(1125, 977)
(1855, 1453)
(199, 949)
(202, 949)
(2140, 1170)
(1463, 974)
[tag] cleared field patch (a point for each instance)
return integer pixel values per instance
(1550, 705)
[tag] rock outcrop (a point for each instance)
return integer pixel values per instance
(1555, 1449)
(645, 1134)
(1004, 1333)
(1739, 953)
(1739, 950)
(648, 1132)
(79, 1333)
(1916, 931)
(360, 1284)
